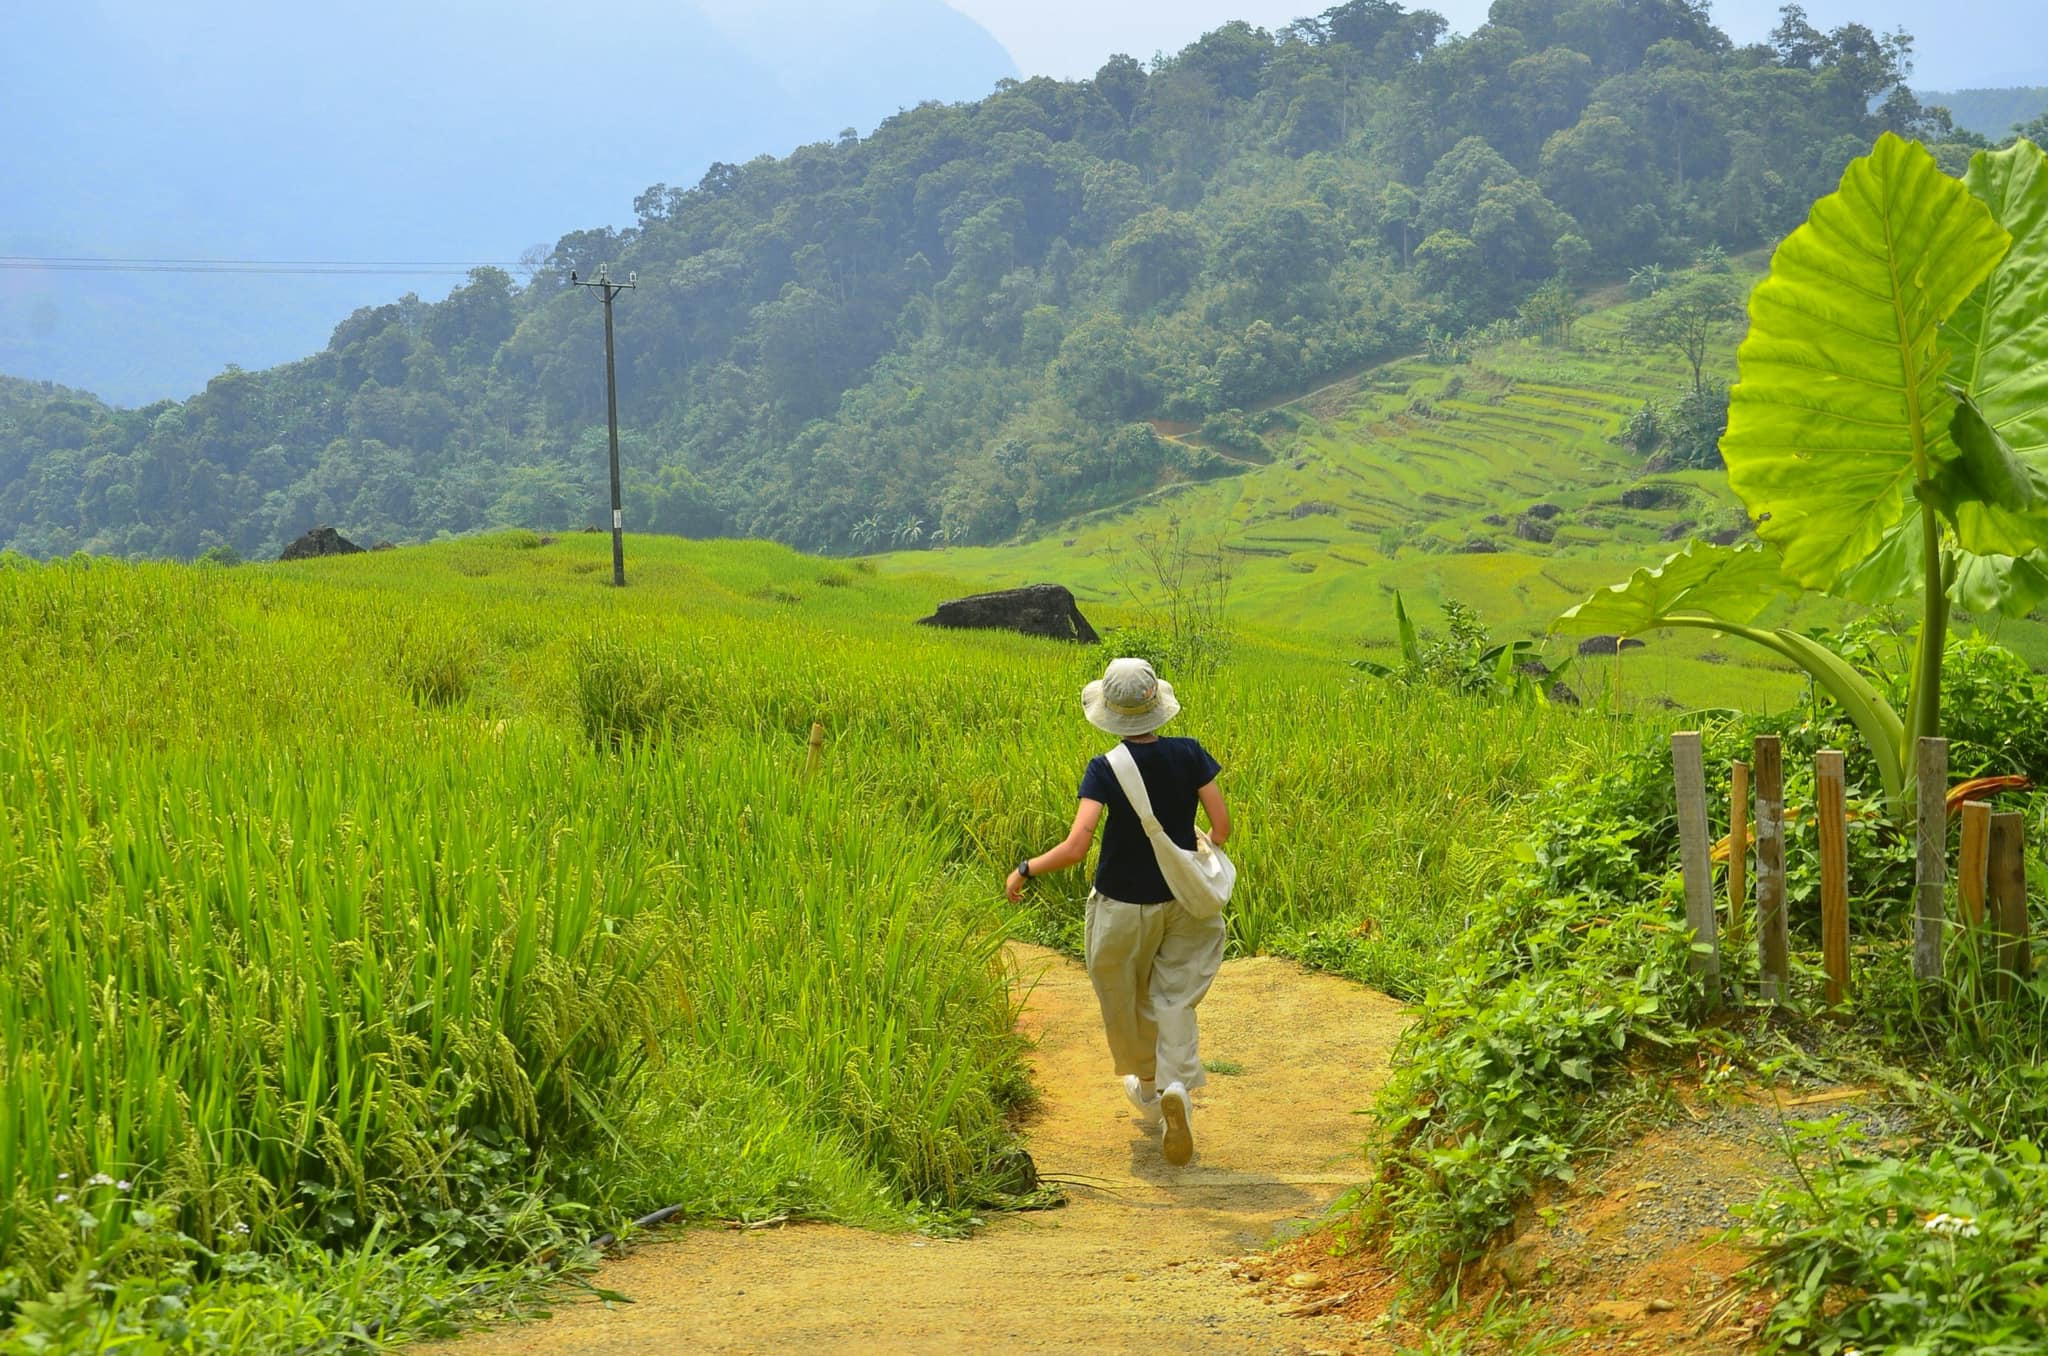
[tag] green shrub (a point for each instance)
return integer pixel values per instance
(1509, 1059)
(1948, 1253)
(437, 662)
(627, 691)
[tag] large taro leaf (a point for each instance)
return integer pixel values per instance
(1999, 337)
(1840, 403)
(1721, 589)
(2012, 585)
(1728, 583)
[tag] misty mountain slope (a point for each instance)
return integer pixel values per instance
(465, 130)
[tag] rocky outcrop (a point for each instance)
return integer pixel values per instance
(1641, 497)
(321, 541)
(1046, 610)
(1608, 644)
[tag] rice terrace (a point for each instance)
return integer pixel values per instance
(551, 824)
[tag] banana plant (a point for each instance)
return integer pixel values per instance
(1495, 668)
(1889, 429)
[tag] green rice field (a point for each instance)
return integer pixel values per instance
(373, 927)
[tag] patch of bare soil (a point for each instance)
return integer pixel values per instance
(1634, 1257)
(1144, 1256)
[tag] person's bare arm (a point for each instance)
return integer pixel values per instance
(1071, 850)
(1219, 813)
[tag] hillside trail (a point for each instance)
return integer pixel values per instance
(1138, 1260)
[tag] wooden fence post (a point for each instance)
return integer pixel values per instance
(1973, 860)
(1930, 766)
(1738, 853)
(1774, 945)
(1696, 857)
(2008, 898)
(814, 761)
(1830, 796)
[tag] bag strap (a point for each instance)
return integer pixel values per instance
(1133, 782)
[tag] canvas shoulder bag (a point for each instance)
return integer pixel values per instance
(1202, 879)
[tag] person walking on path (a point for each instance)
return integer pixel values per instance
(1150, 959)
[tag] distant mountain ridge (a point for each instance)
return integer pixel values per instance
(461, 130)
(1991, 113)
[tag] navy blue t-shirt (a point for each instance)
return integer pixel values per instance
(1175, 770)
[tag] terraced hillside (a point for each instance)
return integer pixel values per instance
(1498, 480)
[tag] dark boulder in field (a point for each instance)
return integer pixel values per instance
(321, 541)
(1560, 695)
(1046, 610)
(1608, 644)
(1537, 530)
(1494, 520)
(1653, 496)
(1479, 546)
(1728, 536)
(1545, 511)
(1678, 531)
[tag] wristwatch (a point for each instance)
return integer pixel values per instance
(1024, 868)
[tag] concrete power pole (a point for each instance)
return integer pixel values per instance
(607, 290)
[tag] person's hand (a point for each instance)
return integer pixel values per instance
(1014, 888)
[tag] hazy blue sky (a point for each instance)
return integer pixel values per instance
(1961, 43)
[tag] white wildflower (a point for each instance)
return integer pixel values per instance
(63, 1199)
(124, 1185)
(1951, 1226)
(63, 1176)
(99, 1179)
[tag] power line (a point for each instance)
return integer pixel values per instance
(301, 267)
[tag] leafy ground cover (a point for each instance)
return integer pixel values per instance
(377, 930)
(1567, 1020)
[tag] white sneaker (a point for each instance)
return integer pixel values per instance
(1179, 1144)
(1148, 1107)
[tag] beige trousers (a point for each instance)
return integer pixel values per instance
(1151, 964)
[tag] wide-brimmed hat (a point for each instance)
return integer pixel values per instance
(1129, 699)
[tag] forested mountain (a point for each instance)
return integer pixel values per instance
(956, 328)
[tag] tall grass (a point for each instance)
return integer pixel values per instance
(341, 901)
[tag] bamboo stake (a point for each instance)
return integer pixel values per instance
(1695, 854)
(814, 761)
(1774, 945)
(1738, 854)
(2008, 899)
(1973, 861)
(1931, 870)
(1834, 872)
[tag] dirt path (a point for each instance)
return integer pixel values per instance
(1132, 1263)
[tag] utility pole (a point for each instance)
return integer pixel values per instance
(607, 289)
